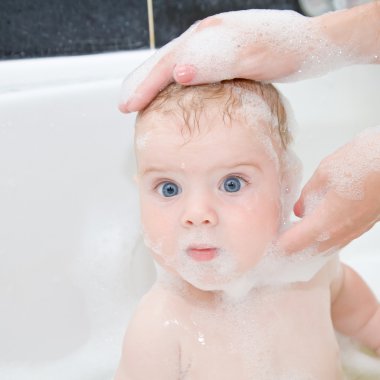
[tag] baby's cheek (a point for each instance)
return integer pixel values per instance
(157, 226)
(260, 218)
(152, 224)
(149, 219)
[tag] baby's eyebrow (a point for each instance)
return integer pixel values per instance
(238, 164)
(156, 169)
(166, 169)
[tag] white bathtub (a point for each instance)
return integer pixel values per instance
(68, 206)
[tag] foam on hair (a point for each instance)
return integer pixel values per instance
(236, 98)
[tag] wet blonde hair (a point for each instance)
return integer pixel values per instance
(191, 101)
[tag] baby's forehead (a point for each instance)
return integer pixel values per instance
(166, 135)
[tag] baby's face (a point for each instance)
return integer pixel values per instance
(210, 205)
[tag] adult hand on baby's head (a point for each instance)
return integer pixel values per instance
(342, 199)
(264, 45)
(256, 44)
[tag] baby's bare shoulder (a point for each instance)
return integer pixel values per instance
(150, 332)
(329, 273)
(157, 309)
(328, 276)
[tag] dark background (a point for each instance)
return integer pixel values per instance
(46, 28)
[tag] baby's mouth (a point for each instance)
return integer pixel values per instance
(202, 252)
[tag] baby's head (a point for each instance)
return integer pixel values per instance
(214, 174)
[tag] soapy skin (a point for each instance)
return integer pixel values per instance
(263, 45)
(347, 193)
(275, 46)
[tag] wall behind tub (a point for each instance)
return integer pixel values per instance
(41, 28)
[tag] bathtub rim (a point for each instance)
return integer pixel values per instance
(36, 73)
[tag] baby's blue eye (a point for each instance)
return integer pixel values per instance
(169, 189)
(232, 184)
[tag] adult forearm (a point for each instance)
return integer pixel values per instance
(356, 30)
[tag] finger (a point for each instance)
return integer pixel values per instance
(298, 237)
(314, 186)
(184, 74)
(299, 208)
(156, 74)
(188, 75)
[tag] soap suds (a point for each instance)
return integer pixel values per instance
(216, 50)
(346, 173)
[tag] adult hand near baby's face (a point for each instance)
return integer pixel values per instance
(255, 44)
(342, 199)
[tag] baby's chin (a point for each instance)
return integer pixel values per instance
(223, 273)
(218, 274)
(207, 281)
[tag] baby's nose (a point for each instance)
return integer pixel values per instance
(199, 212)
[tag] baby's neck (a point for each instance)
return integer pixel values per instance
(206, 298)
(178, 285)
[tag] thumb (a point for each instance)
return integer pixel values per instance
(298, 237)
(316, 185)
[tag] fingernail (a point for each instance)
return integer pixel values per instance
(184, 73)
(132, 104)
(124, 107)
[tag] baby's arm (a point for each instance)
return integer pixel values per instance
(150, 348)
(355, 311)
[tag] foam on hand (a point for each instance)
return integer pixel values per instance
(130, 85)
(347, 173)
(216, 50)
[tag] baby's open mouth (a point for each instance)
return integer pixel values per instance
(202, 253)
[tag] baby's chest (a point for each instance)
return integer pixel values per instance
(286, 339)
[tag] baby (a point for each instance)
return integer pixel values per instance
(217, 182)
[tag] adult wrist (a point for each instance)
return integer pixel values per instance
(355, 32)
